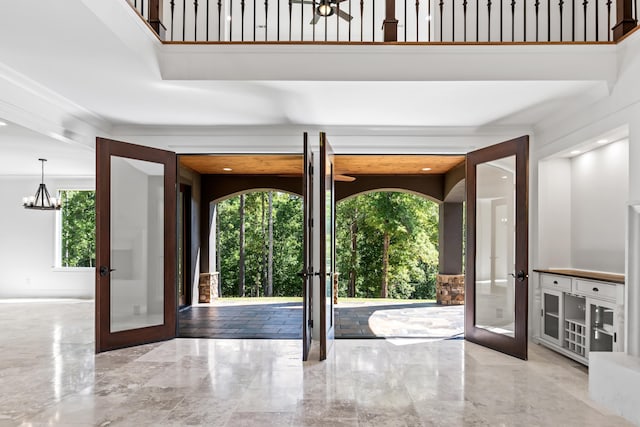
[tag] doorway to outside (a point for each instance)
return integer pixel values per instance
(409, 229)
(136, 296)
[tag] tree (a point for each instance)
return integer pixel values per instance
(387, 240)
(78, 228)
(241, 274)
(280, 233)
(269, 292)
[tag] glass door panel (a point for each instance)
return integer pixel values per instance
(327, 245)
(602, 332)
(495, 232)
(137, 244)
(307, 270)
(551, 315)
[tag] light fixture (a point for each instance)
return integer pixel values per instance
(2, 123)
(324, 9)
(42, 200)
(574, 152)
(504, 177)
(602, 141)
(426, 169)
(227, 169)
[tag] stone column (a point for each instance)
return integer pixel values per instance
(208, 287)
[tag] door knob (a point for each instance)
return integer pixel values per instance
(520, 276)
(104, 271)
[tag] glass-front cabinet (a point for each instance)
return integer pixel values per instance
(603, 334)
(551, 305)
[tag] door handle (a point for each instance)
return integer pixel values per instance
(520, 276)
(306, 275)
(104, 271)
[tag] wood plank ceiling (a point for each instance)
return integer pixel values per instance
(344, 164)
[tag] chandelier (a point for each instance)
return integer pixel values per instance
(42, 200)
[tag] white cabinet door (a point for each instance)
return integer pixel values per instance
(603, 328)
(552, 315)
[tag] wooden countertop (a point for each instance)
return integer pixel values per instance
(584, 274)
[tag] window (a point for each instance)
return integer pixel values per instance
(76, 241)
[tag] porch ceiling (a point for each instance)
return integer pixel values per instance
(344, 164)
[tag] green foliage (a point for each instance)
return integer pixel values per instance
(78, 228)
(287, 244)
(410, 221)
(412, 224)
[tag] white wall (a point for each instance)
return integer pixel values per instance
(600, 182)
(554, 213)
(27, 240)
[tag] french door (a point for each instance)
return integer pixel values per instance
(136, 245)
(496, 282)
(307, 256)
(327, 249)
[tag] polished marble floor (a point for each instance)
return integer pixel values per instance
(49, 376)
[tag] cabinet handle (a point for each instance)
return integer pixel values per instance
(595, 289)
(555, 282)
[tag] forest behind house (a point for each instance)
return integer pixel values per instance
(387, 245)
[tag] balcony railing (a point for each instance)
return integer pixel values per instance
(470, 21)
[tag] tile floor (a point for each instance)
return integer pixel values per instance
(283, 320)
(49, 376)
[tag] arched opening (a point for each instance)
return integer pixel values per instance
(259, 244)
(388, 260)
(257, 251)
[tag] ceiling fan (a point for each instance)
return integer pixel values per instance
(324, 9)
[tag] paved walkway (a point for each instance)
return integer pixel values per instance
(283, 320)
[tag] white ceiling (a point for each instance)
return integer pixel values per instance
(110, 73)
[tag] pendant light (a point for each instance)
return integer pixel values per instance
(42, 200)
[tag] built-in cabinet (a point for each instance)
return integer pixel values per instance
(581, 312)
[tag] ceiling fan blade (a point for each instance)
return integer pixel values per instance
(342, 14)
(315, 19)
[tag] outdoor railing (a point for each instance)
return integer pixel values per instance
(407, 20)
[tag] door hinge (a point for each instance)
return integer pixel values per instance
(615, 337)
(311, 222)
(541, 312)
(311, 323)
(310, 169)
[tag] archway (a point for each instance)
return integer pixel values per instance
(257, 253)
(389, 262)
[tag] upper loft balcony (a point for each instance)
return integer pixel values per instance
(389, 21)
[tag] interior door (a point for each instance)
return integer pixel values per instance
(136, 245)
(327, 245)
(307, 271)
(496, 284)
